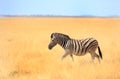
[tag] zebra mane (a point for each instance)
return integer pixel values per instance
(60, 35)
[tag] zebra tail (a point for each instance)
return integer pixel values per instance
(100, 53)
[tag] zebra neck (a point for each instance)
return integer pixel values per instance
(62, 43)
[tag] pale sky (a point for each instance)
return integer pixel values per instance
(60, 7)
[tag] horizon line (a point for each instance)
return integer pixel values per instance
(59, 16)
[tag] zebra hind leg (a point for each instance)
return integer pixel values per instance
(97, 56)
(93, 55)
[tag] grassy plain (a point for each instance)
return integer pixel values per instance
(24, 50)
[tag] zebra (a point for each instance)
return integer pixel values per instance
(74, 46)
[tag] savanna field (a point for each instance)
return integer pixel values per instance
(24, 52)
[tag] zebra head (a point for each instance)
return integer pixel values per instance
(57, 38)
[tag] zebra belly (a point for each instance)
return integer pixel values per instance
(79, 53)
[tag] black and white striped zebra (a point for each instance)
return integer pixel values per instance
(76, 47)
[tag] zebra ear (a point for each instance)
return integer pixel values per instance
(52, 35)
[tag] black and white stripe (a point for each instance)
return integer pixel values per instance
(76, 47)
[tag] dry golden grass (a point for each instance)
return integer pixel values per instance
(24, 50)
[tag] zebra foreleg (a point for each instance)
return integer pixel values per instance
(72, 57)
(66, 54)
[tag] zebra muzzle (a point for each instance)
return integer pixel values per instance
(49, 47)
